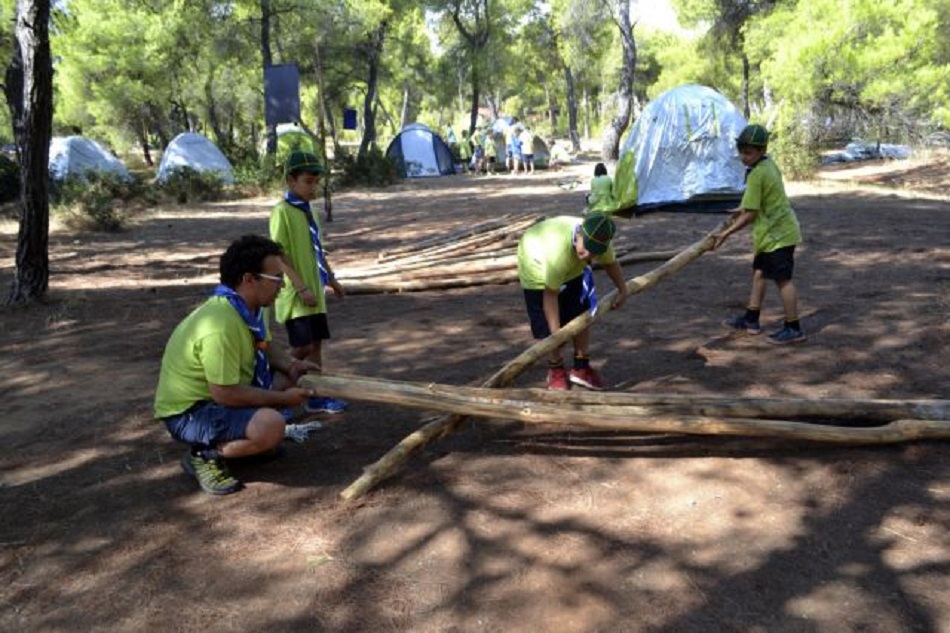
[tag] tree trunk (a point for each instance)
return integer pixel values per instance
(404, 111)
(613, 132)
(476, 90)
(572, 110)
(142, 133)
(375, 47)
(29, 93)
(745, 86)
(266, 62)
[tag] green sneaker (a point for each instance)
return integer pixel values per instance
(211, 471)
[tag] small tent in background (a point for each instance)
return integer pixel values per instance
(75, 156)
(291, 138)
(419, 152)
(684, 147)
(193, 150)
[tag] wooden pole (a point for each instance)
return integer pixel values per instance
(863, 411)
(392, 461)
(484, 403)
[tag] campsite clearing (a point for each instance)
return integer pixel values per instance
(500, 526)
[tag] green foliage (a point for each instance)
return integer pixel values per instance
(92, 202)
(9, 179)
(184, 184)
(256, 178)
(374, 170)
(795, 150)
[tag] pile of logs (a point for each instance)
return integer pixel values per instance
(482, 254)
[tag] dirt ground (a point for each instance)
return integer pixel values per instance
(501, 526)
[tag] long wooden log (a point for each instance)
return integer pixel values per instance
(452, 274)
(484, 403)
(864, 411)
(393, 460)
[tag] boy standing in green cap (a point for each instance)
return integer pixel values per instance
(554, 258)
(775, 233)
(301, 305)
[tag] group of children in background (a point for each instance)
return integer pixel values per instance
(218, 387)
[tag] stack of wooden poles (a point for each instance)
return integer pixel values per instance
(482, 254)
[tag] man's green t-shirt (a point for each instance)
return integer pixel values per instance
(290, 229)
(776, 225)
(546, 255)
(212, 345)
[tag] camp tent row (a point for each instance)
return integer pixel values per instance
(76, 156)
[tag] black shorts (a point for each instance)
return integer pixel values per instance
(778, 265)
(569, 304)
(303, 331)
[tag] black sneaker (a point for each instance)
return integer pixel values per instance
(211, 471)
(741, 324)
(787, 335)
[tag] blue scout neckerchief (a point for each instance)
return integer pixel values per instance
(304, 206)
(588, 291)
(263, 377)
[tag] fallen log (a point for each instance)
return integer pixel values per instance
(485, 403)
(867, 410)
(393, 460)
(384, 286)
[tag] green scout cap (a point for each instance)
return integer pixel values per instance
(597, 229)
(754, 136)
(303, 161)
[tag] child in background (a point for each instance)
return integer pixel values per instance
(601, 197)
(301, 305)
(775, 233)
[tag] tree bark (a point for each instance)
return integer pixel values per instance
(613, 132)
(572, 109)
(29, 93)
(375, 50)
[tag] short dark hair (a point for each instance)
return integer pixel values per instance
(246, 255)
(600, 169)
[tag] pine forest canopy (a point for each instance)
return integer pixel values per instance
(133, 75)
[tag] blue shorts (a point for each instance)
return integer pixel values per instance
(779, 265)
(210, 424)
(569, 304)
(303, 331)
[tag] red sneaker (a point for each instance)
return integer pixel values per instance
(589, 378)
(557, 379)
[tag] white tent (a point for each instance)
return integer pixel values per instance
(193, 150)
(421, 152)
(74, 156)
(684, 145)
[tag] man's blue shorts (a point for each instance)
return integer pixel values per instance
(570, 306)
(210, 424)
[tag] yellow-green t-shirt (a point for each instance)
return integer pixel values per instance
(546, 255)
(212, 345)
(601, 195)
(290, 229)
(776, 225)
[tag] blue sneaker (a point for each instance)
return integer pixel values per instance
(326, 405)
(787, 335)
(741, 324)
